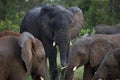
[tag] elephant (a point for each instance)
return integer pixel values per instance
(21, 55)
(89, 52)
(8, 33)
(55, 26)
(107, 29)
(109, 68)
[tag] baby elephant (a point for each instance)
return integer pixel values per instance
(21, 54)
(110, 66)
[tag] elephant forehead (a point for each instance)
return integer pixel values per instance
(83, 50)
(80, 49)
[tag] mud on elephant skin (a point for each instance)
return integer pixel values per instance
(20, 55)
(54, 24)
(109, 68)
(89, 51)
(107, 29)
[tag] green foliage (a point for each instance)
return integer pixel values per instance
(95, 11)
(84, 31)
(79, 73)
(8, 25)
(28, 77)
(12, 12)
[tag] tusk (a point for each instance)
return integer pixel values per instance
(100, 79)
(70, 43)
(74, 68)
(64, 67)
(54, 43)
(41, 78)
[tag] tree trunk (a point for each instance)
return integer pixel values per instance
(3, 10)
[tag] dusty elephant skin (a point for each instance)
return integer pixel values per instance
(21, 54)
(109, 68)
(54, 25)
(90, 51)
(107, 29)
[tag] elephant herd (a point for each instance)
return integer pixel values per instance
(90, 51)
(46, 27)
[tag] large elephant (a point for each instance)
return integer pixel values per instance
(109, 68)
(54, 24)
(107, 29)
(89, 51)
(20, 55)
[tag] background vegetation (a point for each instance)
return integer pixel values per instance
(95, 12)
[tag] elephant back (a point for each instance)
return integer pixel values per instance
(107, 29)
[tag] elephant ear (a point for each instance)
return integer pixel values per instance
(26, 43)
(98, 49)
(77, 15)
(117, 54)
(77, 21)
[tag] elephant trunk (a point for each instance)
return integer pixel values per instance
(69, 73)
(62, 39)
(64, 50)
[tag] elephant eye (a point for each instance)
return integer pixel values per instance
(40, 59)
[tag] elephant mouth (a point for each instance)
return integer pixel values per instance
(35, 77)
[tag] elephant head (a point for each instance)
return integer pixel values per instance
(109, 67)
(87, 51)
(33, 55)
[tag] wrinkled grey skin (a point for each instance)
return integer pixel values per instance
(54, 23)
(107, 29)
(109, 68)
(20, 55)
(89, 51)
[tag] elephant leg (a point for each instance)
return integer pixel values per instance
(53, 64)
(88, 72)
(64, 69)
(51, 53)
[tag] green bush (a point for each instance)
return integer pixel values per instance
(8, 25)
